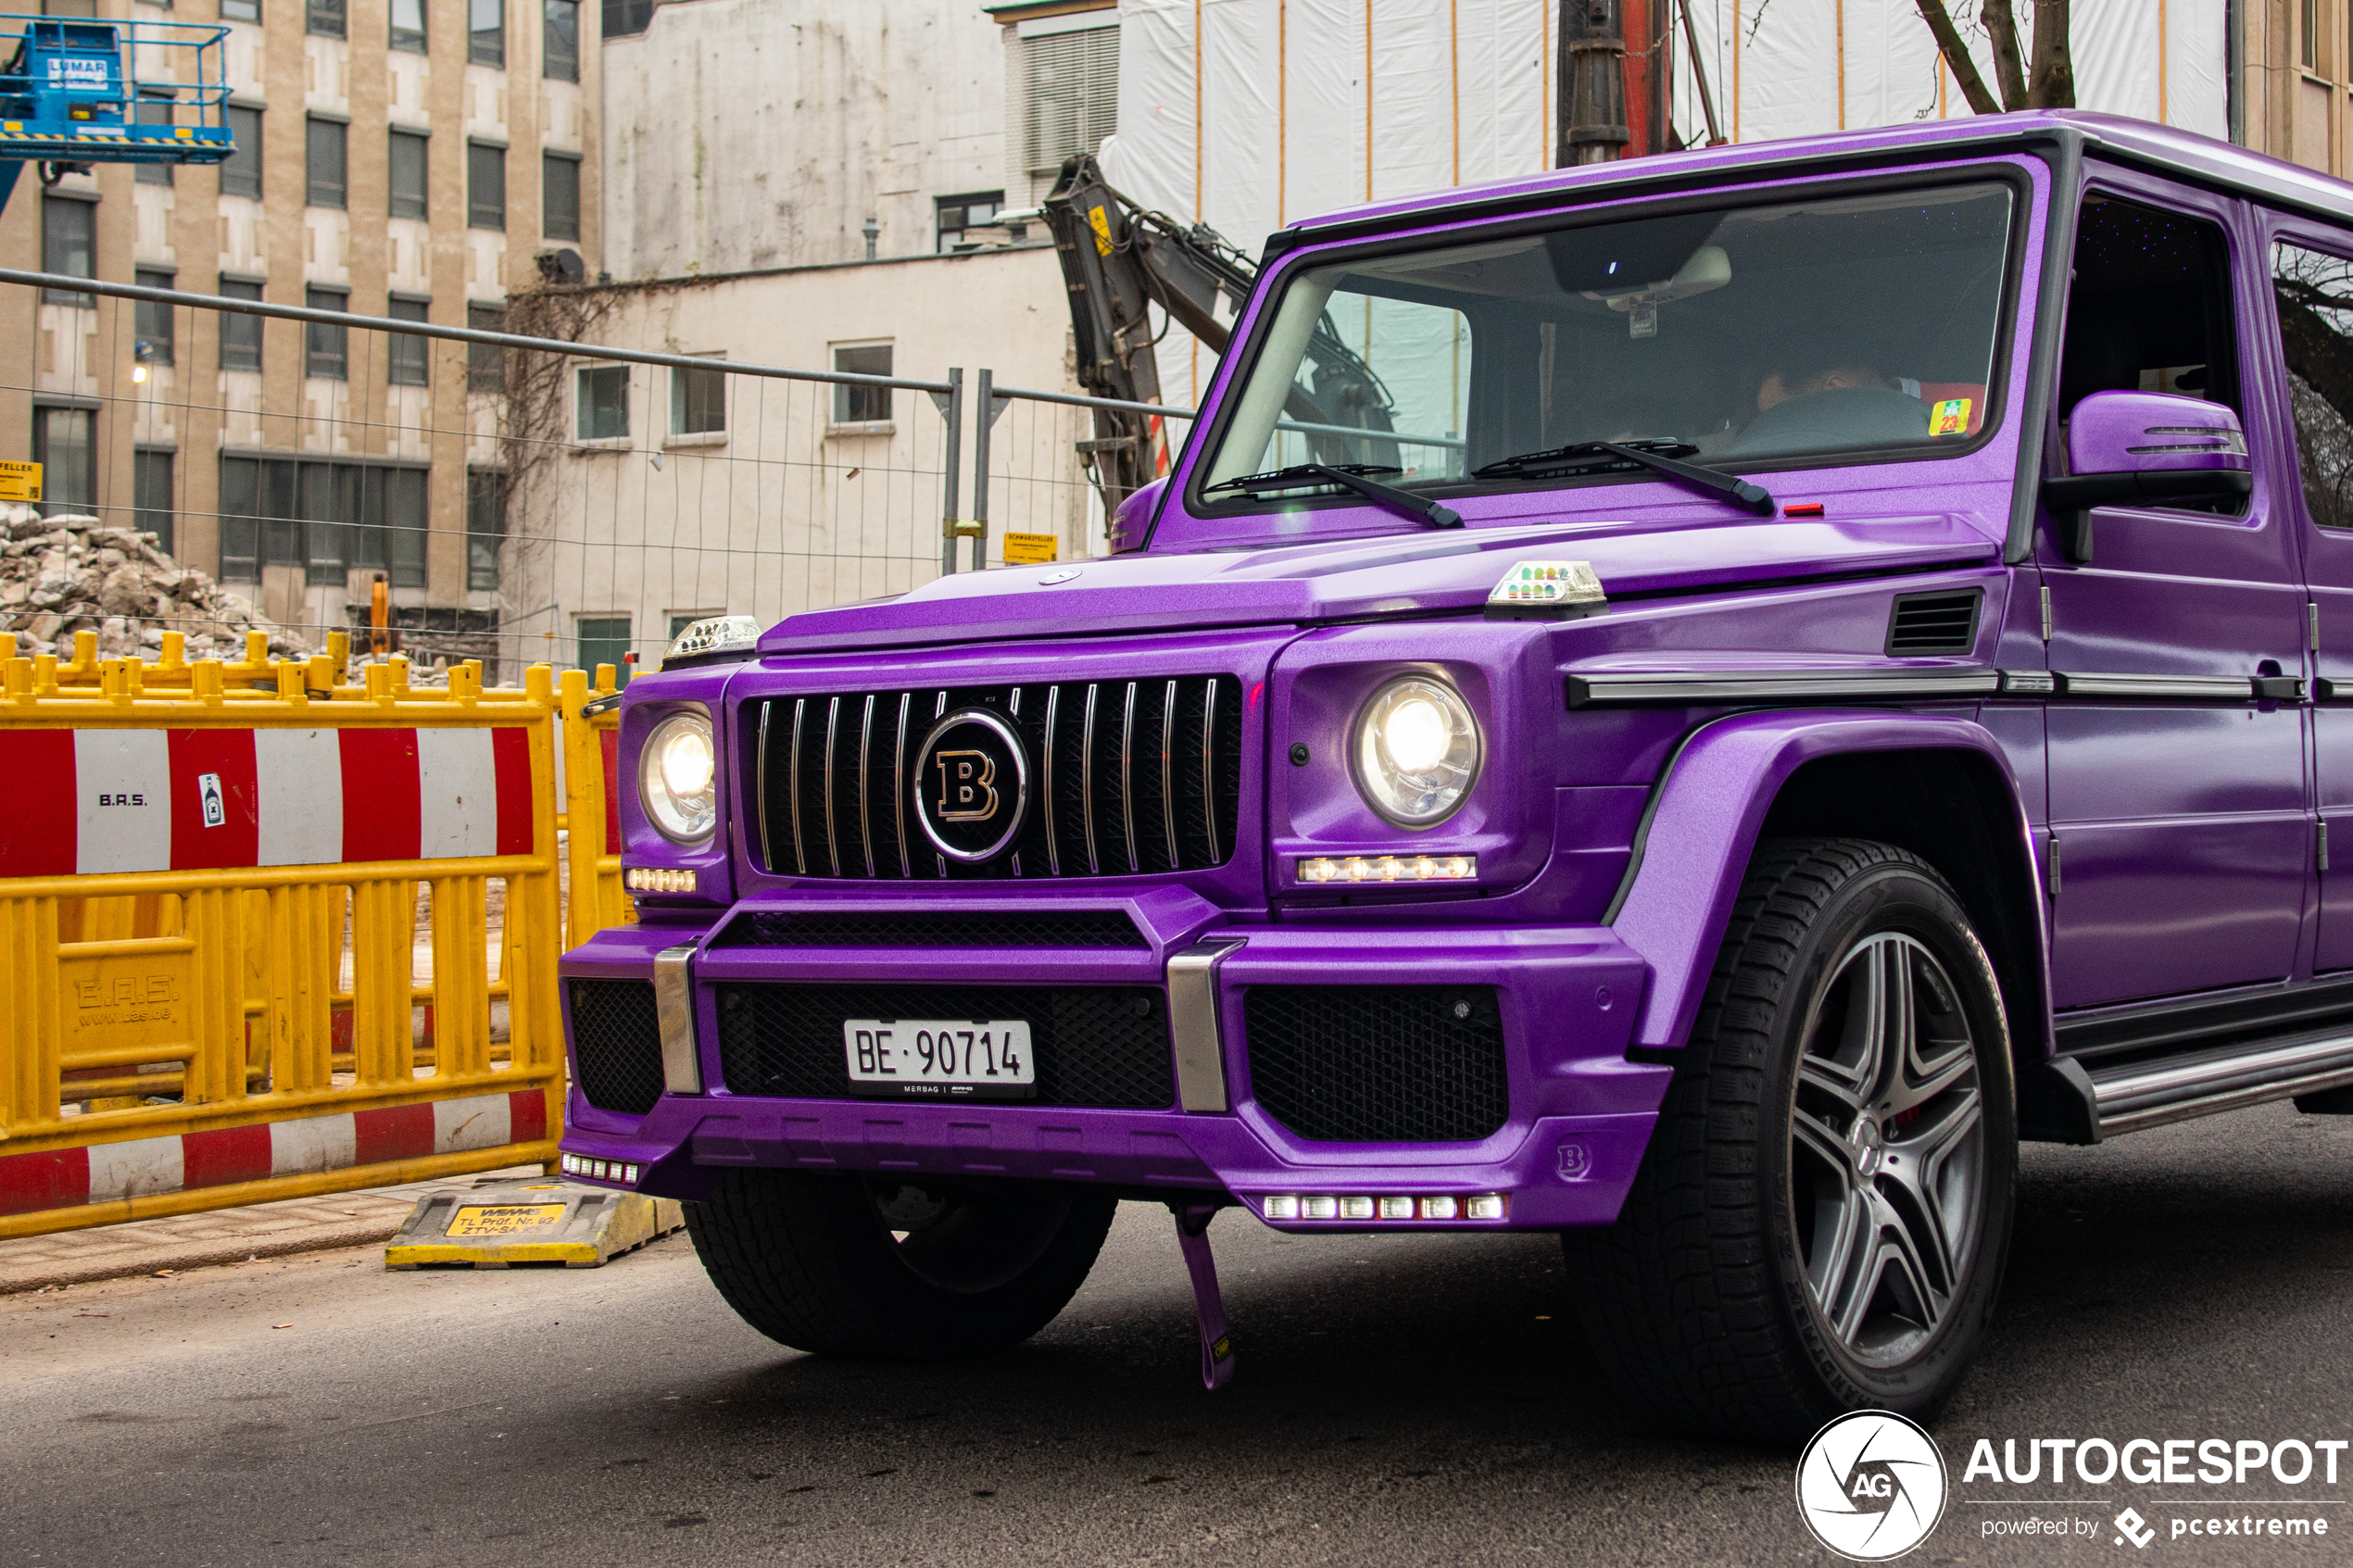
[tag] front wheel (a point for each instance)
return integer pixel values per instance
(1820, 1223)
(891, 1269)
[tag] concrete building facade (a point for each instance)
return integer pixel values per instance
(410, 158)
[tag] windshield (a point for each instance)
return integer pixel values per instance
(1740, 334)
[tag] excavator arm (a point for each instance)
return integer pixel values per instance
(1118, 260)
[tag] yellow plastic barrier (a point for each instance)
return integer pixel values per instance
(592, 818)
(209, 933)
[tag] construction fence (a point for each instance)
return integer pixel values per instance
(270, 928)
(519, 496)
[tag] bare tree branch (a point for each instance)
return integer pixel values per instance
(2051, 83)
(2001, 32)
(1957, 60)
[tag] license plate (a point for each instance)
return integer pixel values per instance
(504, 1218)
(939, 1058)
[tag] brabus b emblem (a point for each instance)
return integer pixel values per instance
(966, 781)
(970, 784)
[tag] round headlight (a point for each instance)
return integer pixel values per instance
(1416, 751)
(675, 771)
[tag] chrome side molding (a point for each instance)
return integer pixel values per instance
(2152, 1094)
(1194, 1024)
(674, 1015)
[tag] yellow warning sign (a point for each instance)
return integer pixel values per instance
(504, 1218)
(1030, 549)
(19, 482)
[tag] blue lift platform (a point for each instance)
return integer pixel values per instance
(73, 94)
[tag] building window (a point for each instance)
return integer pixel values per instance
(408, 25)
(408, 358)
(559, 40)
(485, 362)
(626, 19)
(241, 171)
(152, 321)
(698, 402)
(68, 245)
(64, 445)
(603, 404)
(861, 405)
(486, 32)
(151, 495)
(240, 333)
(957, 214)
(326, 347)
(1070, 90)
(327, 17)
(324, 150)
(406, 170)
(604, 639)
(155, 108)
(560, 196)
(326, 518)
(240, 10)
(485, 526)
(486, 187)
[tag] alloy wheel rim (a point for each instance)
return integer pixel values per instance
(1887, 1143)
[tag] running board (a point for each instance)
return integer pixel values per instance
(2130, 1097)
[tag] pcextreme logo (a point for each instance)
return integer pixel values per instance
(1871, 1485)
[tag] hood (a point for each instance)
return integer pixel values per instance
(1386, 575)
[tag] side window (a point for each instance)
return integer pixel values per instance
(2150, 307)
(2315, 295)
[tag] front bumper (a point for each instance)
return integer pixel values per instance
(1580, 1113)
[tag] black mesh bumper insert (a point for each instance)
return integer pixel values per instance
(1100, 1046)
(1378, 1063)
(616, 1044)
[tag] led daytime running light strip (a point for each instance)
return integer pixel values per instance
(1388, 868)
(657, 879)
(1319, 1206)
(600, 1170)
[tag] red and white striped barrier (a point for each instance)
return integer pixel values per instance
(97, 800)
(65, 1178)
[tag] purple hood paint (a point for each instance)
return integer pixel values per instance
(1386, 575)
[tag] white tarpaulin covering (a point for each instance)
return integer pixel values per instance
(1248, 114)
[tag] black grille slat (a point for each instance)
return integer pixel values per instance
(1098, 1046)
(1378, 1063)
(1931, 623)
(616, 1044)
(960, 928)
(1158, 791)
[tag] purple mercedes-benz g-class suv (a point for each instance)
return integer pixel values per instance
(1689, 703)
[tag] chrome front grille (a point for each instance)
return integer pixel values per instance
(1127, 778)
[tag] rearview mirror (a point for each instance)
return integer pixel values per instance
(1132, 519)
(2150, 447)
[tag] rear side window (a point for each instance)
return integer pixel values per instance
(2315, 295)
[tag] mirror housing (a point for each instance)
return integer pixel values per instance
(1133, 518)
(2150, 447)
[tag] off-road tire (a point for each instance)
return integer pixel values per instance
(1696, 1301)
(810, 1259)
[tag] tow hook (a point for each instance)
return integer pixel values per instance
(1216, 1344)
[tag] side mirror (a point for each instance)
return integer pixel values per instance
(1133, 517)
(2145, 447)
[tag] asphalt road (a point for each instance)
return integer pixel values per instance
(1405, 1399)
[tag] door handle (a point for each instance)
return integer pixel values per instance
(2277, 688)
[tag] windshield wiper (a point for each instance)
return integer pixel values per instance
(1658, 453)
(1350, 476)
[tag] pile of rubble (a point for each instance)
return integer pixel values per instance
(59, 575)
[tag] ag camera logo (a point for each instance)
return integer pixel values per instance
(1871, 1486)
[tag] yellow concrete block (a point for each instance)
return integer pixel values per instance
(536, 1220)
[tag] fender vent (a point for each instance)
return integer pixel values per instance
(1924, 623)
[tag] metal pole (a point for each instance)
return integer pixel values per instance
(955, 450)
(1699, 76)
(1592, 90)
(985, 416)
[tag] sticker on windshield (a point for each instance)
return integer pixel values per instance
(1950, 417)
